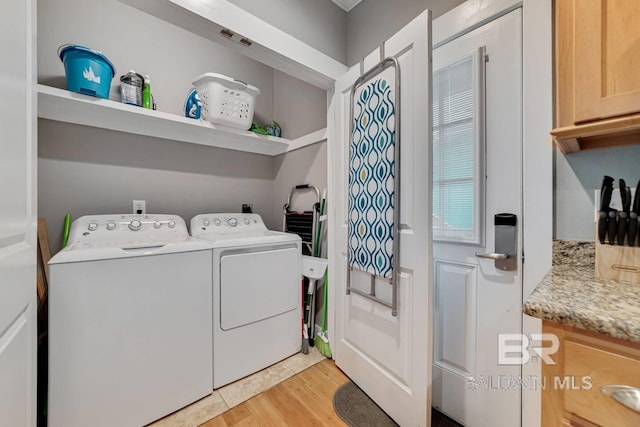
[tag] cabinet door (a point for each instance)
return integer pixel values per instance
(607, 58)
(584, 362)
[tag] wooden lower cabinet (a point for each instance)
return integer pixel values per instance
(586, 361)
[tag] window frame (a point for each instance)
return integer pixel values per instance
(478, 59)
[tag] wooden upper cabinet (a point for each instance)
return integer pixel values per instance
(597, 71)
(607, 58)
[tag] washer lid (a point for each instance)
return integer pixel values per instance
(94, 251)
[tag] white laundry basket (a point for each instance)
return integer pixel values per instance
(226, 101)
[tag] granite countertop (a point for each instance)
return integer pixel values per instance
(571, 294)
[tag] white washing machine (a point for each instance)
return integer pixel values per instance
(129, 321)
(257, 306)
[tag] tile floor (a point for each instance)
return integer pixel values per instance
(231, 395)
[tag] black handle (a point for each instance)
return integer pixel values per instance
(613, 227)
(622, 186)
(603, 222)
(298, 187)
(622, 227)
(605, 193)
(633, 228)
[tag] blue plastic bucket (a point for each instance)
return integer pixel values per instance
(88, 71)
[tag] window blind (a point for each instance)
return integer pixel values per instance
(456, 152)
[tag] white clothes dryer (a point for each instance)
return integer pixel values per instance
(257, 307)
(129, 321)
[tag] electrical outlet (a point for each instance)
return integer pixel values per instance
(247, 208)
(139, 207)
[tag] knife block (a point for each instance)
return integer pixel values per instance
(621, 263)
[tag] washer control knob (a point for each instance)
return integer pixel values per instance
(111, 226)
(157, 224)
(92, 226)
(246, 221)
(216, 222)
(206, 222)
(135, 225)
(232, 222)
(172, 224)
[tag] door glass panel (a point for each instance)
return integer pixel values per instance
(458, 150)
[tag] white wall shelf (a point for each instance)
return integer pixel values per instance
(309, 139)
(70, 107)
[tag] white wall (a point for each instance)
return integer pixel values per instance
(373, 21)
(538, 173)
(132, 39)
(319, 23)
(297, 106)
(304, 166)
(173, 58)
(577, 175)
(83, 170)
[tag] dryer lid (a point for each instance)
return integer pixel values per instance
(233, 229)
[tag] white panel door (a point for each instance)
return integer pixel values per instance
(17, 215)
(389, 356)
(477, 110)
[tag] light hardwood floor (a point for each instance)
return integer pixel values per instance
(305, 399)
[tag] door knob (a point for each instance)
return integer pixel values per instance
(499, 257)
(505, 242)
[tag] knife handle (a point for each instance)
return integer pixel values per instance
(603, 221)
(633, 228)
(613, 227)
(622, 227)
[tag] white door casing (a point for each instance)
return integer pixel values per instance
(475, 301)
(389, 357)
(18, 215)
